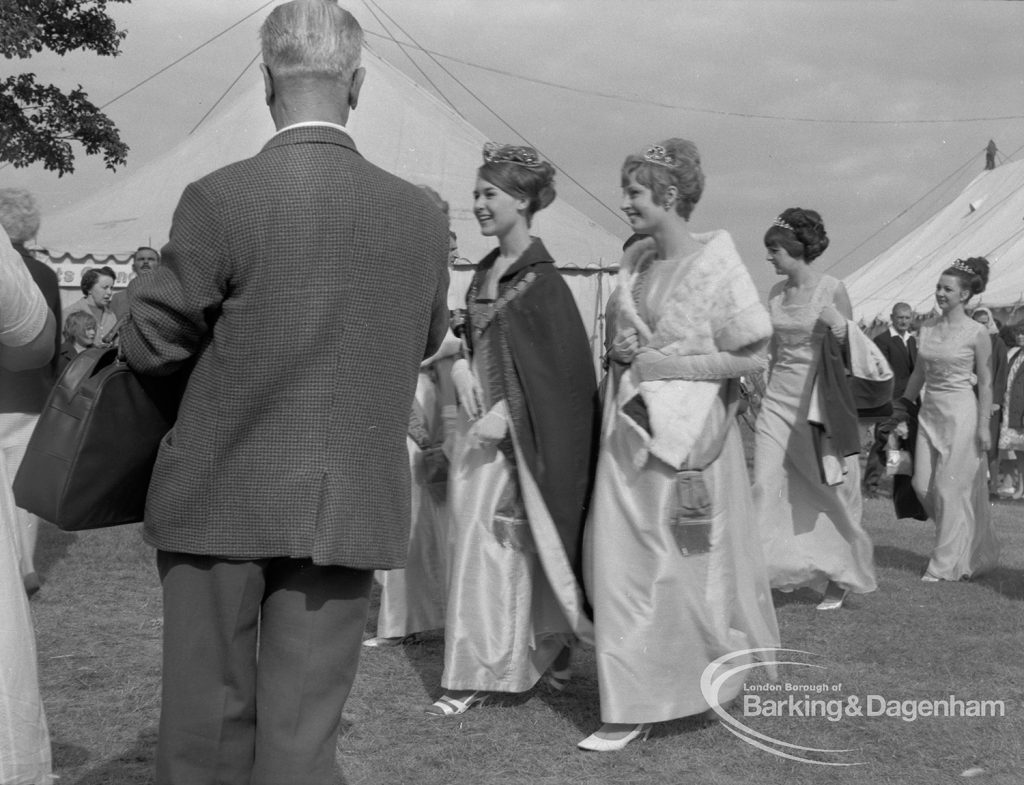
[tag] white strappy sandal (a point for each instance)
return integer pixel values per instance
(447, 706)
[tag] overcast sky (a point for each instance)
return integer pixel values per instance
(713, 72)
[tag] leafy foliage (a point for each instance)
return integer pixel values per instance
(38, 122)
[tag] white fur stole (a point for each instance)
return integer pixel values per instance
(712, 306)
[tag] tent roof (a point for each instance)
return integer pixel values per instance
(398, 125)
(985, 219)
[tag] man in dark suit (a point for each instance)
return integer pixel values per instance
(900, 348)
(303, 286)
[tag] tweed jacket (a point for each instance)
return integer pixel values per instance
(291, 442)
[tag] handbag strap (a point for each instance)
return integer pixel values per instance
(85, 365)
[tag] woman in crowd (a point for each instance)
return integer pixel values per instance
(673, 562)
(27, 340)
(79, 335)
(1011, 433)
(97, 288)
(412, 600)
(999, 367)
(811, 530)
(521, 466)
(953, 437)
(23, 395)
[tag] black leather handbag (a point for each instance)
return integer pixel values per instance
(90, 458)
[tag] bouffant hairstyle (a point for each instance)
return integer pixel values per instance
(92, 275)
(674, 162)
(19, 214)
(800, 232)
(972, 272)
(77, 323)
(520, 172)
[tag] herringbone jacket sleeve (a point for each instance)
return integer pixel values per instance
(439, 320)
(176, 306)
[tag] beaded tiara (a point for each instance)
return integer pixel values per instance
(960, 265)
(510, 154)
(658, 155)
(781, 224)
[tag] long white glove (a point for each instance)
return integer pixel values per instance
(654, 364)
(624, 346)
(467, 388)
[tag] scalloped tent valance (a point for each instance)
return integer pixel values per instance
(399, 126)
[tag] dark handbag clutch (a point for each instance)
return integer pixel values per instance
(90, 458)
(692, 517)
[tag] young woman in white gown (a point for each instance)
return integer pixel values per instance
(522, 464)
(811, 530)
(953, 435)
(673, 562)
(26, 341)
(412, 600)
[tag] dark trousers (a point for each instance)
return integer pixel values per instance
(874, 464)
(259, 657)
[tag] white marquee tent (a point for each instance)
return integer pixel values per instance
(398, 126)
(985, 219)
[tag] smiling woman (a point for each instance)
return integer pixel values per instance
(672, 560)
(953, 434)
(521, 466)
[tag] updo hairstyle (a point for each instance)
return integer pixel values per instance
(672, 162)
(520, 172)
(800, 232)
(972, 272)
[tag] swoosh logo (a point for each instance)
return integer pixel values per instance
(721, 670)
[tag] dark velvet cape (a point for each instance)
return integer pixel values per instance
(544, 370)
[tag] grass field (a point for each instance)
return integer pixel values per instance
(98, 628)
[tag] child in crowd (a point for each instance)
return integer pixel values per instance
(79, 335)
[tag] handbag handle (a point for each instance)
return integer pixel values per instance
(88, 363)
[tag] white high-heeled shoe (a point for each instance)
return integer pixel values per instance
(833, 598)
(449, 706)
(596, 743)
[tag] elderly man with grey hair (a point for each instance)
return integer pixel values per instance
(285, 481)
